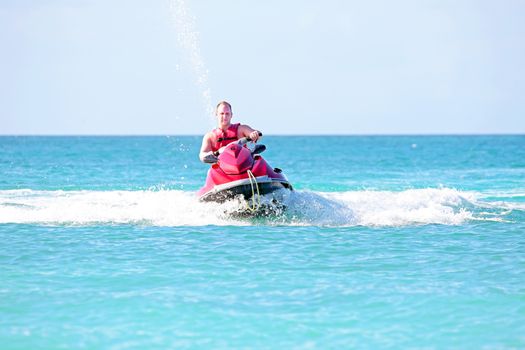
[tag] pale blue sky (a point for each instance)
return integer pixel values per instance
(288, 67)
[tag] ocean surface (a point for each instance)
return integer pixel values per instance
(387, 242)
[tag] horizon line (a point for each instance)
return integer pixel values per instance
(273, 135)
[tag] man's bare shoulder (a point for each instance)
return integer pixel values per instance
(209, 135)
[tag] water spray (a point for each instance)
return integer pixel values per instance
(188, 39)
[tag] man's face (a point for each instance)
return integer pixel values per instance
(224, 114)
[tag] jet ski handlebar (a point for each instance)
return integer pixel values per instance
(242, 141)
(245, 140)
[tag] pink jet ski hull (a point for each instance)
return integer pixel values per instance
(238, 172)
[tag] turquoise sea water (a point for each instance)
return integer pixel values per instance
(388, 242)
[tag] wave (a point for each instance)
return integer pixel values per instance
(303, 208)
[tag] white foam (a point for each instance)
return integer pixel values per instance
(305, 208)
(417, 206)
(158, 208)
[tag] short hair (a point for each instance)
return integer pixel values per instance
(223, 103)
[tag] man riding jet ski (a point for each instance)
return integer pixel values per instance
(236, 170)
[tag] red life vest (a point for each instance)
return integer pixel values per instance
(222, 138)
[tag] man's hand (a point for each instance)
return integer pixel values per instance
(254, 135)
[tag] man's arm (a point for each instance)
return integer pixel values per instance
(205, 147)
(247, 131)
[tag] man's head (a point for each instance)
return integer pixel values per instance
(224, 114)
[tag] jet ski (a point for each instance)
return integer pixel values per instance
(237, 170)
